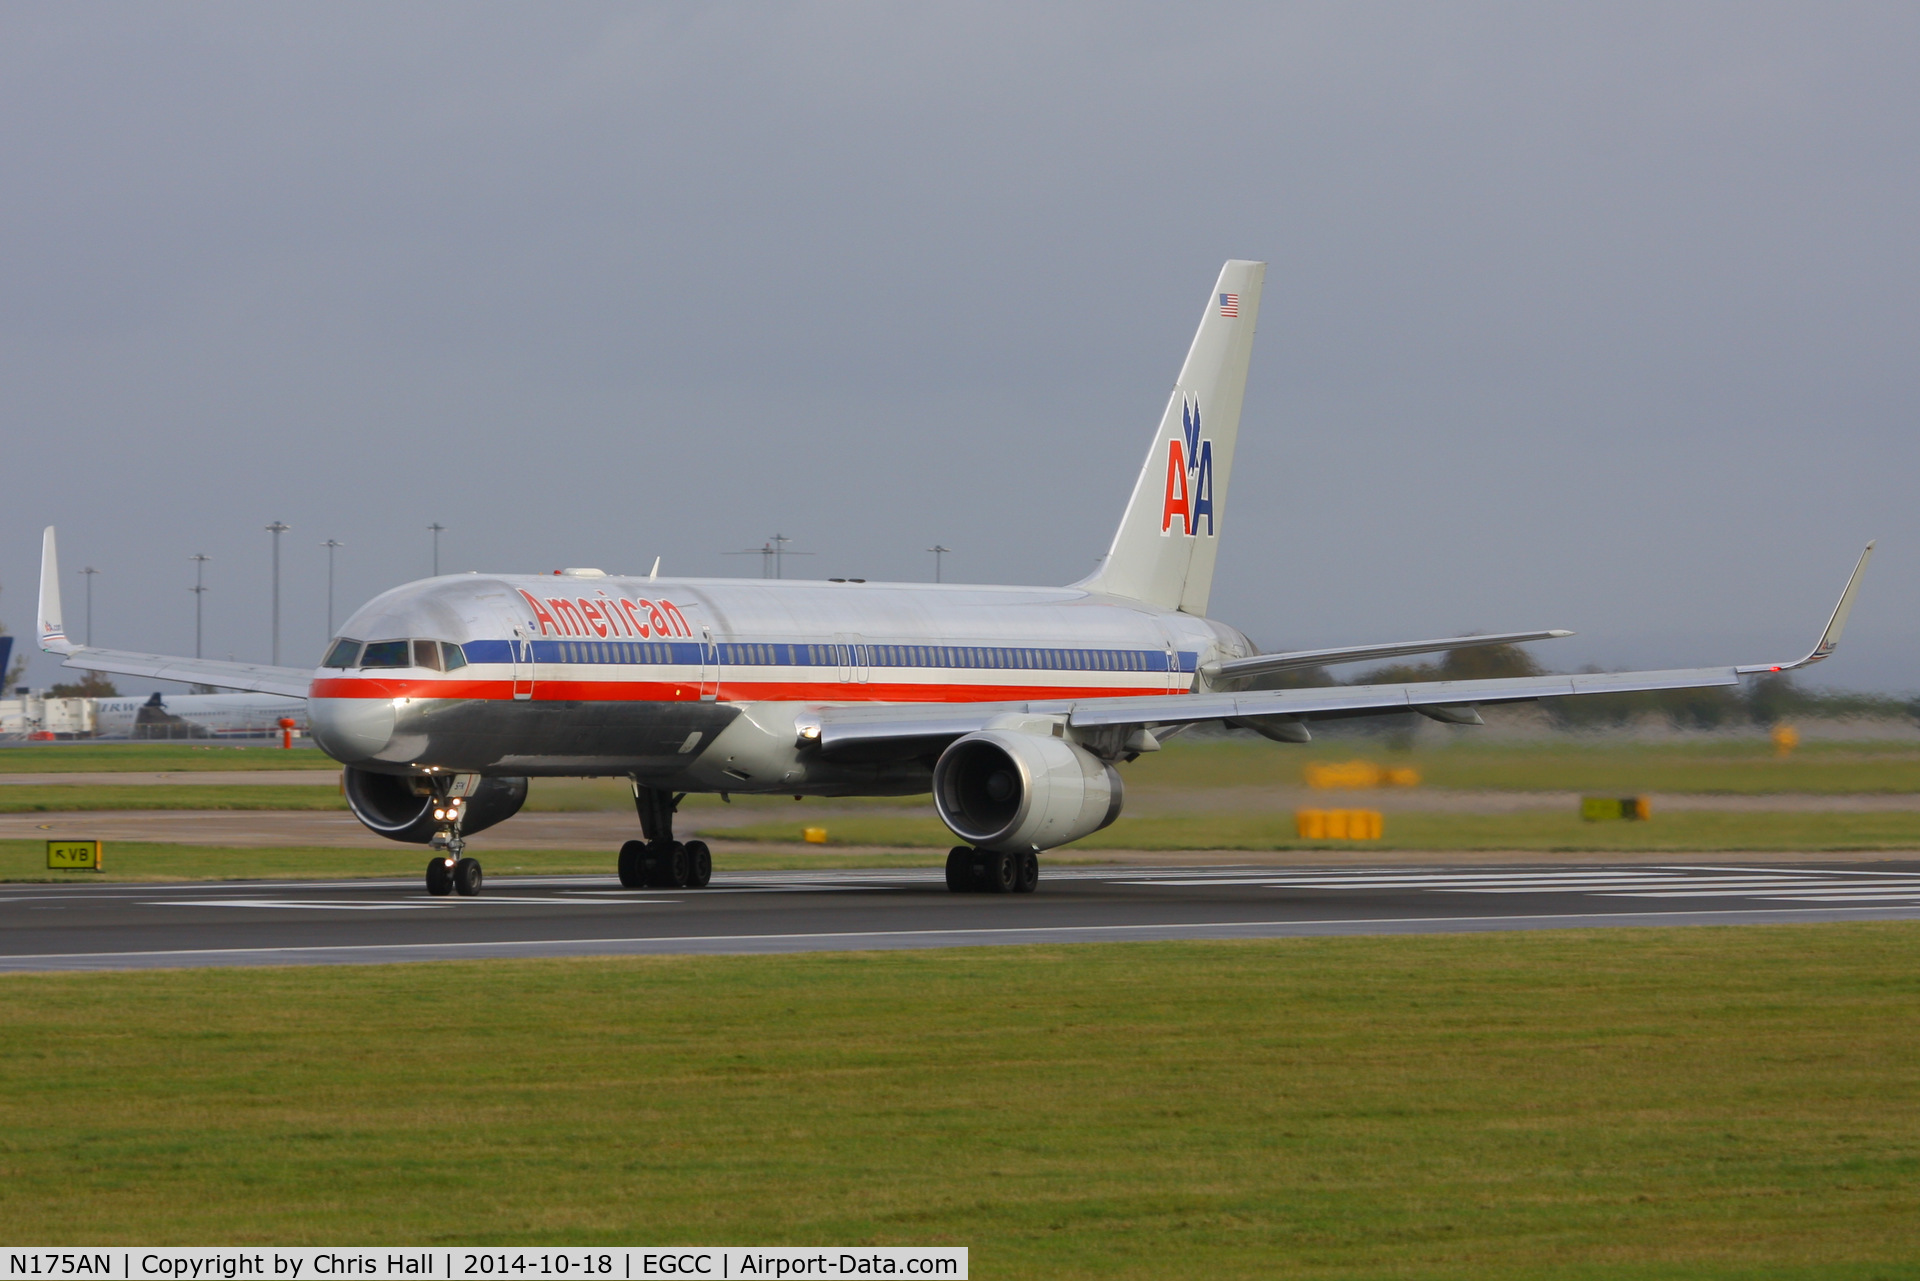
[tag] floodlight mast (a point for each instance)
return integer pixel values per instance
(199, 590)
(331, 544)
(772, 554)
(278, 528)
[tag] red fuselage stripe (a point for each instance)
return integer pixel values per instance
(730, 691)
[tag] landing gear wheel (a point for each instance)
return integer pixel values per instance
(1028, 878)
(466, 877)
(699, 865)
(960, 869)
(440, 876)
(1003, 872)
(667, 865)
(633, 864)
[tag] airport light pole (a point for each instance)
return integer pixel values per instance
(938, 551)
(278, 528)
(88, 573)
(199, 590)
(330, 544)
(772, 554)
(435, 529)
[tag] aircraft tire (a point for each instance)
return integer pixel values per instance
(960, 869)
(1003, 872)
(1028, 878)
(439, 877)
(699, 865)
(667, 865)
(633, 864)
(466, 877)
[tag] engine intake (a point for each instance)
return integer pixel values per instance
(389, 805)
(1006, 790)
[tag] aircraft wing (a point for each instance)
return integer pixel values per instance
(842, 729)
(916, 727)
(253, 677)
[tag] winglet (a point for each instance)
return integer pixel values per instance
(53, 634)
(1829, 639)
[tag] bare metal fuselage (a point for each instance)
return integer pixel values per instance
(704, 685)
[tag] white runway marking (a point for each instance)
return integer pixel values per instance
(1800, 885)
(423, 904)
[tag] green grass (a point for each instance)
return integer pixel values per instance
(1529, 830)
(1645, 1103)
(92, 758)
(1565, 763)
(32, 799)
(157, 861)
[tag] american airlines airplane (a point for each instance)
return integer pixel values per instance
(1012, 705)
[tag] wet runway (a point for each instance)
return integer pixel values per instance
(135, 926)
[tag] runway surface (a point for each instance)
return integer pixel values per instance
(135, 926)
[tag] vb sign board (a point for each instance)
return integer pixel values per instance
(74, 856)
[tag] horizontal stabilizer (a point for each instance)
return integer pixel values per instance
(1267, 664)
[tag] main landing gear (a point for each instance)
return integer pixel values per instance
(659, 861)
(977, 871)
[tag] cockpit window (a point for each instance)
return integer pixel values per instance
(392, 653)
(426, 654)
(455, 656)
(343, 653)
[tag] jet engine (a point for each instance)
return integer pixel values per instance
(1016, 792)
(398, 807)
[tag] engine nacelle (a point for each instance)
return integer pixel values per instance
(389, 805)
(1006, 790)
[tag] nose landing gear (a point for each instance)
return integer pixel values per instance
(659, 861)
(451, 872)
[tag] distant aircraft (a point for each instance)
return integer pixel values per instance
(196, 715)
(1012, 705)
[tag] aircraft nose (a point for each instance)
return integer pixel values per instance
(351, 729)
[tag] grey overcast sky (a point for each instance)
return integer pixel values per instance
(1592, 316)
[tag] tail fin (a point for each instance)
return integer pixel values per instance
(53, 635)
(1164, 550)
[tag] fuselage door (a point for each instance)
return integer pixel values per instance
(851, 649)
(709, 666)
(522, 651)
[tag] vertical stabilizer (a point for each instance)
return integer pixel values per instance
(53, 634)
(1164, 550)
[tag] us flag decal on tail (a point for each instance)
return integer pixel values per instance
(1230, 306)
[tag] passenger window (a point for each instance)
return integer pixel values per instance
(426, 654)
(385, 654)
(343, 653)
(456, 657)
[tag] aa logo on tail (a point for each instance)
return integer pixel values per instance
(1189, 493)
